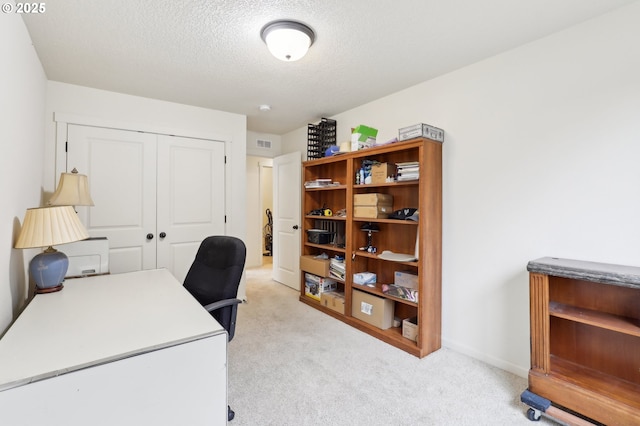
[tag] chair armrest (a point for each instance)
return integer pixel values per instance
(221, 304)
(233, 303)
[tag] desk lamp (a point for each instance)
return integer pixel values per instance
(72, 190)
(369, 228)
(46, 227)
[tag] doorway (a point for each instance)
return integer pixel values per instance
(266, 199)
(259, 199)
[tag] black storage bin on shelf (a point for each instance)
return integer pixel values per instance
(320, 137)
(318, 236)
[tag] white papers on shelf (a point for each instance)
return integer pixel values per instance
(409, 170)
(320, 183)
(337, 269)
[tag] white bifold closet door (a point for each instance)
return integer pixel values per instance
(156, 196)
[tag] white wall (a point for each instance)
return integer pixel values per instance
(22, 105)
(255, 150)
(540, 159)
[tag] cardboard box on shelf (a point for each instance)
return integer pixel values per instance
(421, 129)
(372, 309)
(373, 212)
(320, 267)
(333, 300)
(314, 285)
(410, 328)
(380, 172)
(363, 137)
(372, 199)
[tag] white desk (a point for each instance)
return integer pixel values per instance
(123, 349)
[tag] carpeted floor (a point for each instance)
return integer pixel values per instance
(292, 365)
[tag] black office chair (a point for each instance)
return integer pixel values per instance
(214, 278)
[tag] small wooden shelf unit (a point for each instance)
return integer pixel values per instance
(398, 236)
(585, 338)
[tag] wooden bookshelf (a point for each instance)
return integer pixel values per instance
(398, 236)
(585, 338)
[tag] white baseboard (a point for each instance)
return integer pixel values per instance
(518, 370)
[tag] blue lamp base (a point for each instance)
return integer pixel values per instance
(48, 270)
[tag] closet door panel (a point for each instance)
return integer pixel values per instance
(190, 198)
(121, 167)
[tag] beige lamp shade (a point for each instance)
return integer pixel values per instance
(72, 190)
(48, 226)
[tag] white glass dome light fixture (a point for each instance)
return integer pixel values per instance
(287, 40)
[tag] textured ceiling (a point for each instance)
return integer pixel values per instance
(209, 53)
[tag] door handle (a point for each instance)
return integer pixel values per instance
(149, 236)
(295, 226)
(162, 235)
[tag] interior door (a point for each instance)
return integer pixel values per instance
(191, 199)
(286, 222)
(121, 167)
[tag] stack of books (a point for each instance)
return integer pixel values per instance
(319, 183)
(336, 269)
(409, 170)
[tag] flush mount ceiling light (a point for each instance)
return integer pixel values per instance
(287, 40)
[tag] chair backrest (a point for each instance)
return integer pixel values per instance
(215, 275)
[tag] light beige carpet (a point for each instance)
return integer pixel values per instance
(292, 365)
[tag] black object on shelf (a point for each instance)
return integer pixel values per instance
(370, 228)
(320, 137)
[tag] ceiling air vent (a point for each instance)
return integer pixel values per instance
(263, 143)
